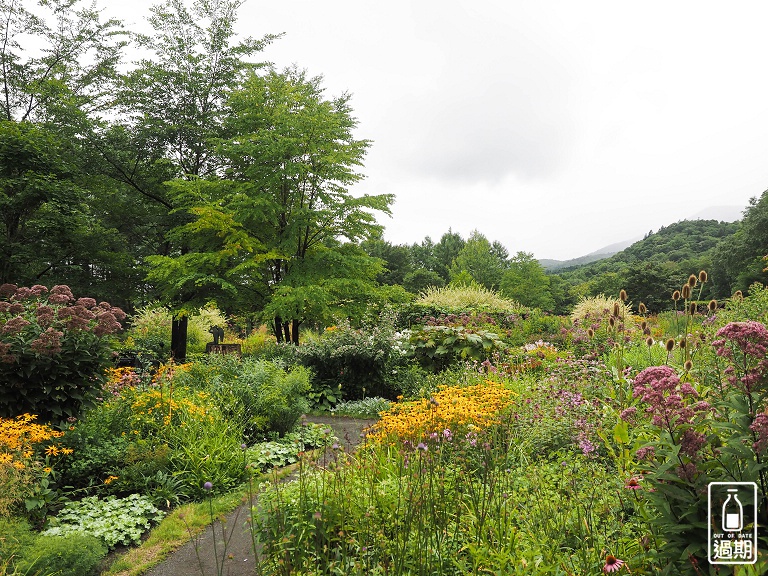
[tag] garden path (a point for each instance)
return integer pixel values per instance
(240, 555)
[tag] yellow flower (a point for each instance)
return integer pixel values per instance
(67, 451)
(52, 450)
(110, 479)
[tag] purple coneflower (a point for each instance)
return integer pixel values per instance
(612, 564)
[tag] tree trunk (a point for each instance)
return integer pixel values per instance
(179, 339)
(287, 331)
(295, 332)
(278, 329)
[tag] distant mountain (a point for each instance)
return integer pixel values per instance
(599, 254)
(716, 213)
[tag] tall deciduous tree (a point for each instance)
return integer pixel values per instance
(526, 282)
(482, 260)
(67, 67)
(175, 102)
(273, 226)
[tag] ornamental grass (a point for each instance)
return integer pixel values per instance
(453, 408)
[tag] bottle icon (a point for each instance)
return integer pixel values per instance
(733, 512)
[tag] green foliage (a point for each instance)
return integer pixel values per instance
(526, 282)
(259, 395)
(469, 298)
(436, 347)
(739, 259)
(53, 350)
(366, 408)
(112, 520)
(363, 362)
(481, 261)
(288, 450)
(74, 554)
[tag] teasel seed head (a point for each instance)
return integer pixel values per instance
(692, 308)
(643, 325)
(670, 345)
(616, 309)
(590, 332)
(612, 321)
(688, 365)
(676, 295)
(738, 295)
(692, 280)
(649, 341)
(712, 306)
(685, 291)
(703, 276)
(641, 308)
(683, 343)
(623, 295)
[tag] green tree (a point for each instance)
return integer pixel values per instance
(56, 58)
(481, 260)
(446, 251)
(272, 228)
(738, 260)
(526, 282)
(173, 106)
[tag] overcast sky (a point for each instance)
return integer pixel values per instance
(554, 127)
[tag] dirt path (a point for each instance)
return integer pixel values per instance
(240, 558)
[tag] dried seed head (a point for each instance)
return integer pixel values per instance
(692, 308)
(712, 306)
(703, 276)
(670, 345)
(612, 321)
(685, 291)
(616, 309)
(643, 325)
(692, 280)
(623, 295)
(683, 343)
(688, 365)
(641, 308)
(676, 295)
(738, 295)
(649, 341)
(590, 332)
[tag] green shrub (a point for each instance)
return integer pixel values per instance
(367, 408)
(53, 350)
(436, 347)
(262, 396)
(75, 554)
(364, 361)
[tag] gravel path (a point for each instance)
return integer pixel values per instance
(240, 559)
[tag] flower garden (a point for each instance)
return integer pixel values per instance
(507, 441)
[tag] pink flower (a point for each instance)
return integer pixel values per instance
(612, 564)
(760, 427)
(15, 325)
(633, 483)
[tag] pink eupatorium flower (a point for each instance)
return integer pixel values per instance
(745, 344)
(760, 427)
(659, 387)
(8, 290)
(48, 343)
(60, 294)
(15, 325)
(612, 564)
